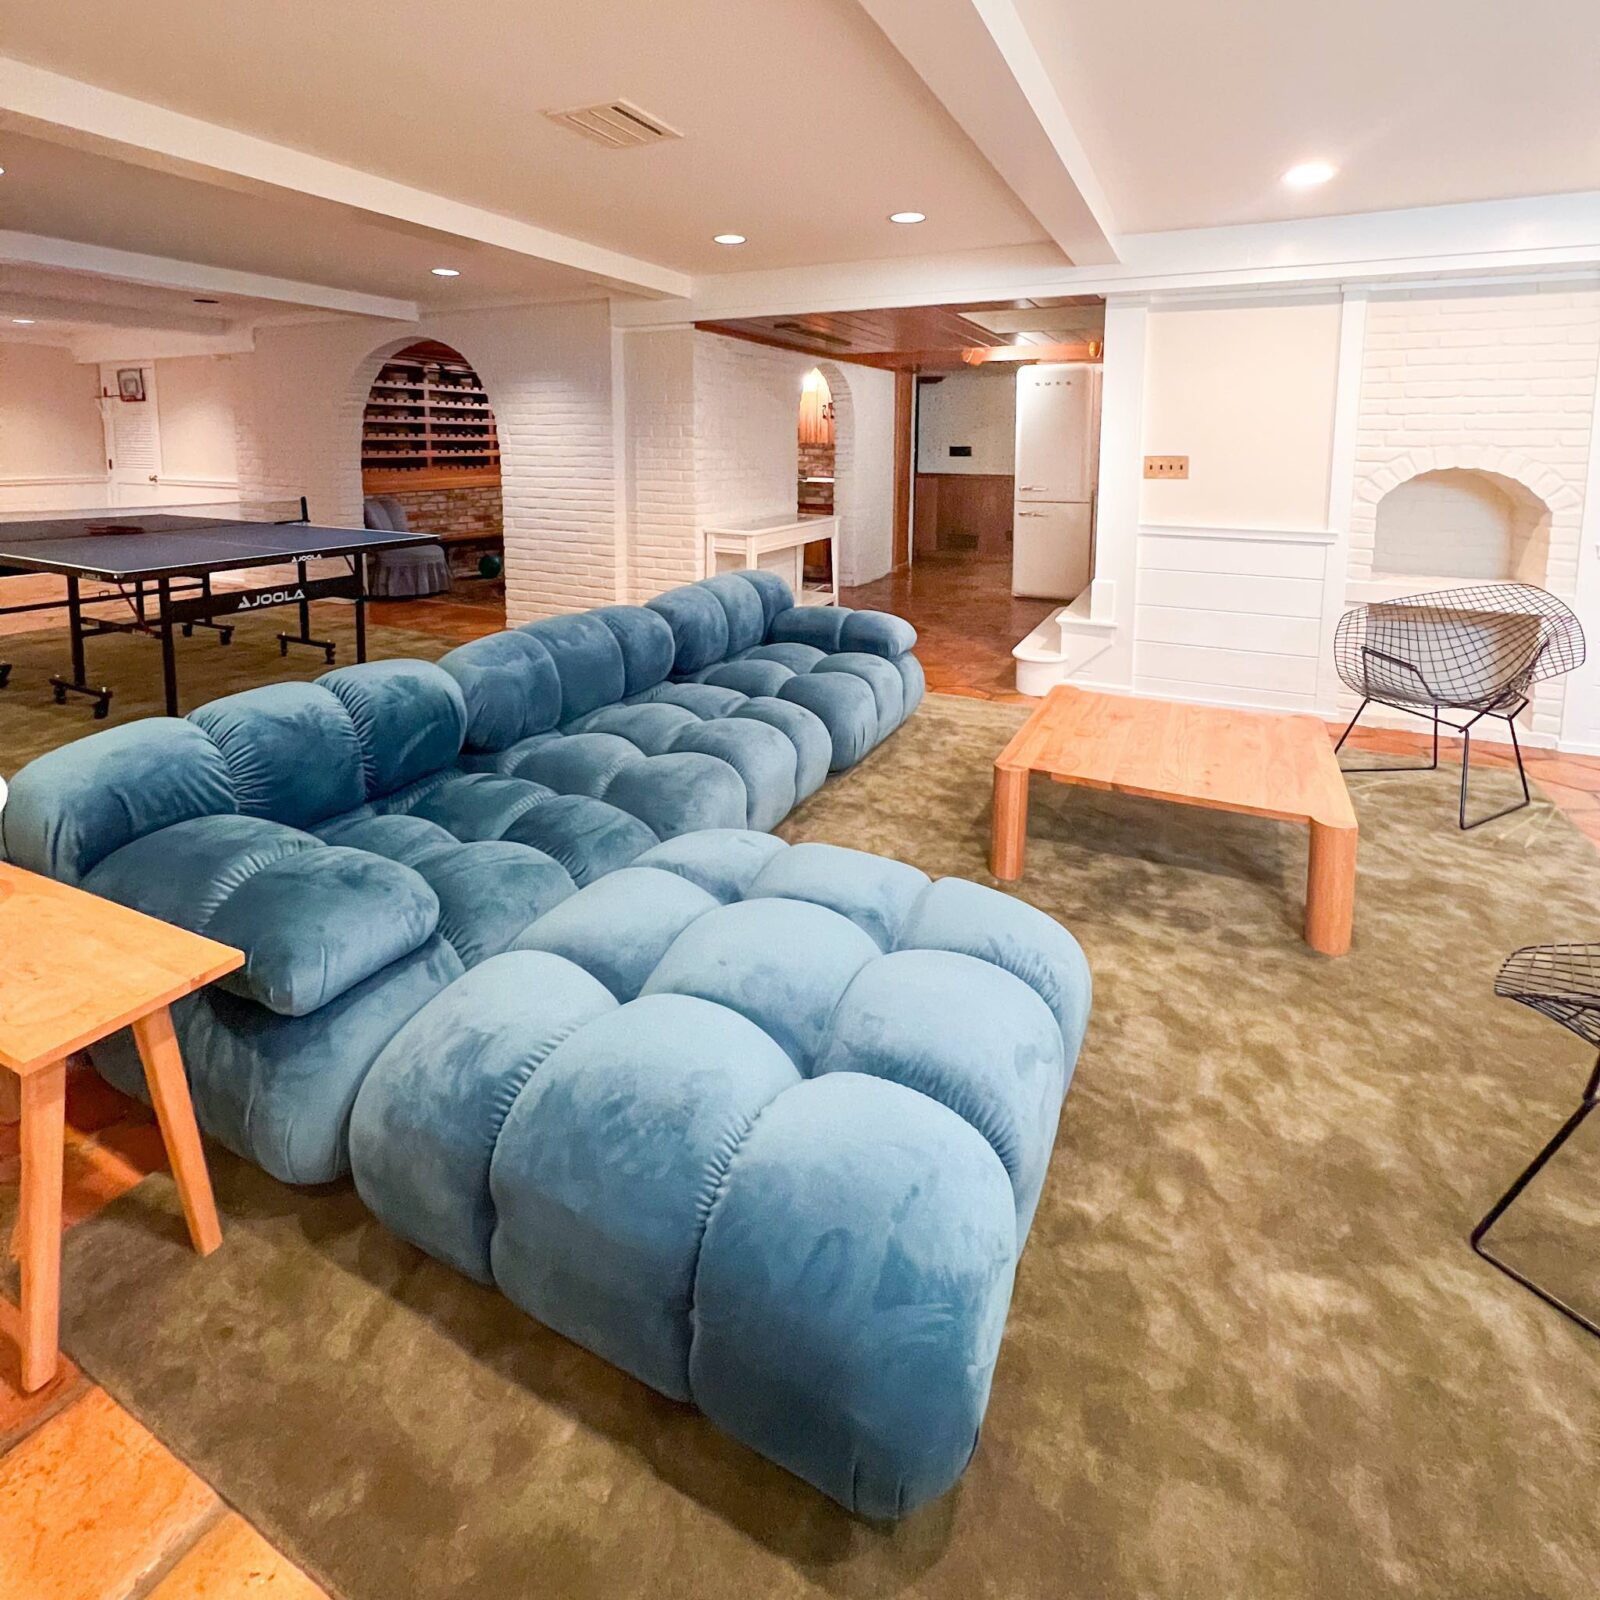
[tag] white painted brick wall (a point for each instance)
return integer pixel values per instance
(710, 434)
(663, 549)
(747, 411)
(1494, 380)
(547, 370)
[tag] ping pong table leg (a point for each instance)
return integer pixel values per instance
(361, 606)
(78, 683)
(169, 660)
(75, 629)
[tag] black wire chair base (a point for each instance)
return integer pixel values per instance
(1562, 982)
(1464, 729)
(1591, 1098)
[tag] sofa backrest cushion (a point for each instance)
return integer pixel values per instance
(588, 661)
(741, 603)
(291, 750)
(71, 807)
(510, 688)
(699, 625)
(775, 594)
(647, 646)
(410, 717)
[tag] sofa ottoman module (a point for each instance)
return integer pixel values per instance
(764, 1125)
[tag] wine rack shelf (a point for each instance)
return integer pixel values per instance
(427, 425)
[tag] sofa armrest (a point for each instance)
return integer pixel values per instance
(836, 628)
(313, 919)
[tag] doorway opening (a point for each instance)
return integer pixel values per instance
(430, 463)
(816, 471)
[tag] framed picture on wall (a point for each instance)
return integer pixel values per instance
(130, 383)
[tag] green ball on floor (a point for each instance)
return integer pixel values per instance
(490, 566)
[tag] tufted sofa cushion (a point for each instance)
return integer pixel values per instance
(728, 651)
(822, 1091)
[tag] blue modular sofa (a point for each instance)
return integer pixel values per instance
(763, 1124)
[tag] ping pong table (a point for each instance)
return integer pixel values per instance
(162, 563)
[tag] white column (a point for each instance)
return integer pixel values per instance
(1580, 707)
(1116, 551)
(1341, 489)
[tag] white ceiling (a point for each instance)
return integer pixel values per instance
(1191, 113)
(803, 127)
(67, 193)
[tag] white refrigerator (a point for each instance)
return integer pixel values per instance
(1058, 455)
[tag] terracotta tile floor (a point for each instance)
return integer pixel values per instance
(91, 1503)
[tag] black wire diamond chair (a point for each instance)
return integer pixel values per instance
(1562, 982)
(1476, 651)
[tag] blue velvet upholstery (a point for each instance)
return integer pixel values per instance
(734, 648)
(765, 1126)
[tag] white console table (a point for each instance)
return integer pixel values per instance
(777, 544)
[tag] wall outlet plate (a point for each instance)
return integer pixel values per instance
(1166, 466)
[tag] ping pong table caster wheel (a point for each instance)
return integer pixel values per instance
(101, 707)
(60, 694)
(224, 635)
(5, 673)
(283, 646)
(188, 630)
(327, 651)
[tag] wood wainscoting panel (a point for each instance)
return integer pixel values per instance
(956, 508)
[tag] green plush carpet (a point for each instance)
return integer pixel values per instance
(31, 722)
(1250, 1353)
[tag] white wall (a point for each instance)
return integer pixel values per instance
(970, 408)
(196, 404)
(548, 373)
(746, 444)
(52, 447)
(1247, 393)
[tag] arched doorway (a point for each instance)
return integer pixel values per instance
(430, 458)
(816, 473)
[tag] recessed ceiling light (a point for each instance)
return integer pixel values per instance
(204, 300)
(908, 216)
(445, 272)
(2, 172)
(727, 238)
(1308, 174)
(25, 322)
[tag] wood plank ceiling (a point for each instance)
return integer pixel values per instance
(919, 338)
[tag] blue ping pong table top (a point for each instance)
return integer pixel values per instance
(168, 545)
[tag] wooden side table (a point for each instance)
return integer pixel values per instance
(74, 968)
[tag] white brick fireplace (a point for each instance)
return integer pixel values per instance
(1475, 405)
(1345, 446)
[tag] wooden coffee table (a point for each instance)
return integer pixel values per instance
(1260, 763)
(74, 968)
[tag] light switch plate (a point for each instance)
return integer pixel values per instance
(1166, 466)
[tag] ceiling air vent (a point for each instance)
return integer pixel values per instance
(618, 124)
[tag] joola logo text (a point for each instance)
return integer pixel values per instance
(271, 597)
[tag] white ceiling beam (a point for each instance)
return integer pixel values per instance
(102, 313)
(1552, 233)
(977, 58)
(32, 249)
(116, 120)
(154, 344)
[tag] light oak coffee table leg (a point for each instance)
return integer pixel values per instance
(38, 1237)
(169, 1093)
(1010, 822)
(1331, 889)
